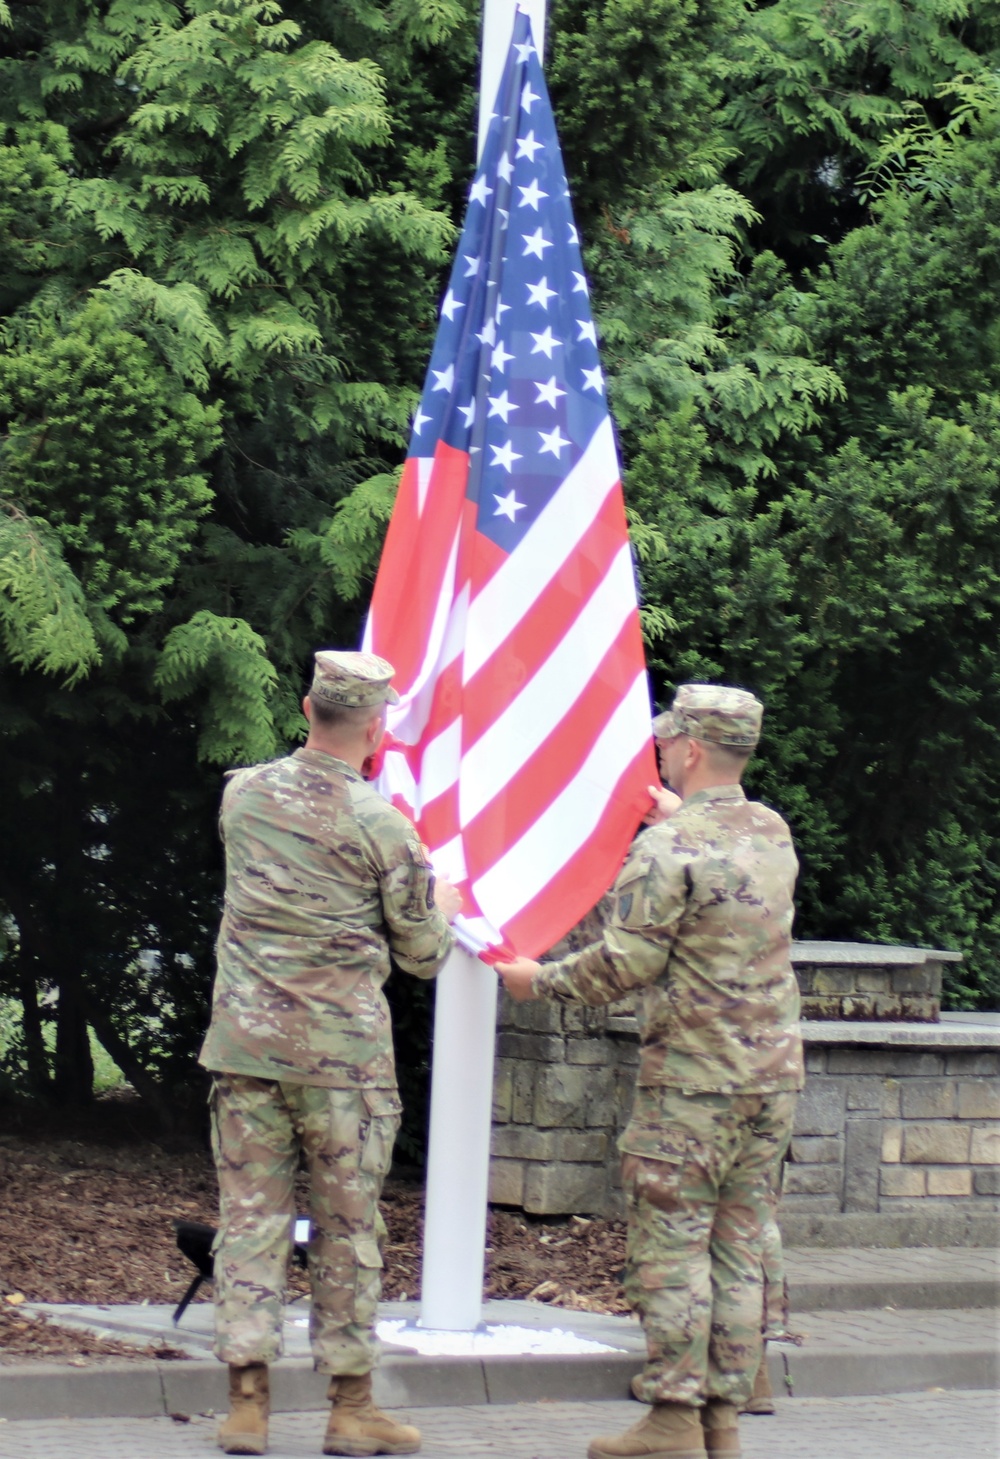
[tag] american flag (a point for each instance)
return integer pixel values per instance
(505, 596)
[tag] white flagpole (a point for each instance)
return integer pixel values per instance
(458, 1156)
(465, 1016)
(498, 27)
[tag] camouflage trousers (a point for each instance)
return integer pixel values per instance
(775, 1283)
(699, 1173)
(345, 1136)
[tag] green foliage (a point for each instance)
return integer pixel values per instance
(43, 613)
(815, 94)
(218, 268)
(100, 443)
(226, 657)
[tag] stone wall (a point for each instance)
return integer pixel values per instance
(890, 1126)
(563, 1084)
(897, 1134)
(865, 981)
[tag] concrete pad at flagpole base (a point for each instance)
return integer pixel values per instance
(458, 1156)
(844, 1352)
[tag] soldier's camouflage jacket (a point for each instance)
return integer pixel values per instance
(324, 881)
(701, 926)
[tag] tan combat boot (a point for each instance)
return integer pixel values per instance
(721, 1425)
(245, 1430)
(668, 1431)
(357, 1427)
(761, 1399)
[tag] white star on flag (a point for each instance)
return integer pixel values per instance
(505, 456)
(450, 304)
(507, 505)
(419, 421)
(580, 287)
(445, 378)
(574, 236)
(469, 411)
(499, 405)
(523, 52)
(535, 243)
(552, 441)
(504, 168)
(540, 293)
(528, 98)
(545, 343)
(587, 331)
(548, 393)
(488, 333)
(527, 146)
(531, 195)
(594, 380)
(500, 356)
(479, 192)
(471, 265)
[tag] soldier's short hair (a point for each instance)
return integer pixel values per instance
(345, 717)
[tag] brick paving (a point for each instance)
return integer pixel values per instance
(916, 1263)
(934, 1425)
(913, 1328)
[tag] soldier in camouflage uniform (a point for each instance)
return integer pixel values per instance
(701, 932)
(325, 881)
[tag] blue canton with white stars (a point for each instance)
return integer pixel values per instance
(514, 377)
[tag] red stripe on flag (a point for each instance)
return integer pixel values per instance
(584, 878)
(485, 557)
(546, 773)
(439, 821)
(411, 572)
(552, 614)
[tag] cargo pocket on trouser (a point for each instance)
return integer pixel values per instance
(367, 1280)
(379, 1131)
(345, 1305)
(668, 1273)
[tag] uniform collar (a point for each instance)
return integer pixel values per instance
(713, 793)
(323, 761)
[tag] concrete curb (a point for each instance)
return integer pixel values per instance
(890, 1229)
(157, 1389)
(922, 1291)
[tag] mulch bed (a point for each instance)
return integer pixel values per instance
(88, 1218)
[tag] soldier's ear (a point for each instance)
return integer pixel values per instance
(307, 708)
(376, 728)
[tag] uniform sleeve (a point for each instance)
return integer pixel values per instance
(418, 932)
(229, 782)
(648, 901)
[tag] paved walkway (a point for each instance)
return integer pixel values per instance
(936, 1425)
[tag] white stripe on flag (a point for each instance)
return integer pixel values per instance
(440, 761)
(502, 749)
(449, 860)
(397, 779)
(566, 823)
(408, 720)
(425, 465)
(548, 542)
(442, 634)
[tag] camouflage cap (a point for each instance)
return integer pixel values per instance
(712, 712)
(354, 680)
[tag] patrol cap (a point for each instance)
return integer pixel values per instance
(354, 680)
(713, 712)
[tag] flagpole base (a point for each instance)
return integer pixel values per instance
(458, 1159)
